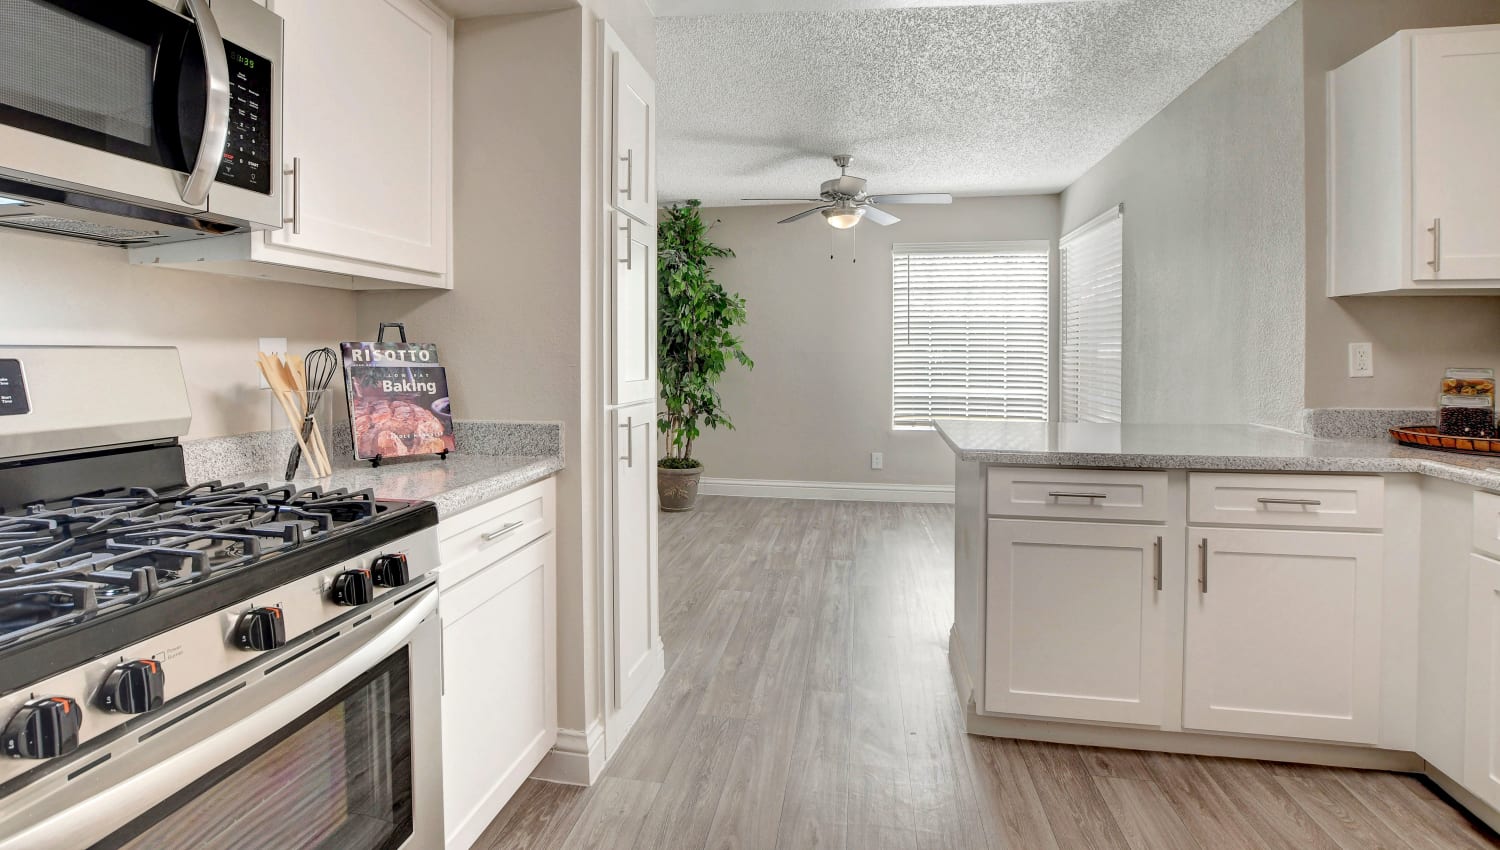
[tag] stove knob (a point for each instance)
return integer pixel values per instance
(390, 571)
(353, 587)
(260, 629)
(43, 728)
(134, 687)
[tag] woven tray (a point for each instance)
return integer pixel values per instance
(1427, 437)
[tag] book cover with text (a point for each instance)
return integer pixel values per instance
(398, 399)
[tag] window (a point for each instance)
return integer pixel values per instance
(1092, 286)
(969, 332)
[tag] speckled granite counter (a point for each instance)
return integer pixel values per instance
(1224, 447)
(495, 459)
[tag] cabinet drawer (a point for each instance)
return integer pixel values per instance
(1136, 496)
(1325, 501)
(1487, 523)
(498, 528)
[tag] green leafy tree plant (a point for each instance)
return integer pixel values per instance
(696, 332)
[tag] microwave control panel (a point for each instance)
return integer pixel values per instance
(13, 400)
(247, 153)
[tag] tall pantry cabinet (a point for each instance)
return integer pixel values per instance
(629, 593)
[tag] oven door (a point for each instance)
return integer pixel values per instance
(126, 98)
(332, 745)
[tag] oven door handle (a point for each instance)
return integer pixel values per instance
(101, 814)
(216, 114)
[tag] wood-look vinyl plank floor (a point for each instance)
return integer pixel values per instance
(807, 705)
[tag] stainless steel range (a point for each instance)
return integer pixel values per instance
(224, 664)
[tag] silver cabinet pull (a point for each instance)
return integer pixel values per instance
(1089, 496)
(1304, 502)
(1158, 563)
(504, 530)
(629, 426)
(295, 172)
(629, 160)
(629, 254)
(216, 112)
(1437, 245)
(1203, 566)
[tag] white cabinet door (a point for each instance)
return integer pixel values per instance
(368, 127)
(633, 122)
(633, 298)
(1076, 620)
(1283, 634)
(1482, 756)
(637, 644)
(1455, 114)
(499, 683)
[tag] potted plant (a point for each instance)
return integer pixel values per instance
(695, 343)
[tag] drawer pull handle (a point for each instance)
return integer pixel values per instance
(1065, 495)
(1158, 564)
(1310, 503)
(504, 530)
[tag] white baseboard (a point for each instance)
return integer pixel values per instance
(940, 494)
(576, 759)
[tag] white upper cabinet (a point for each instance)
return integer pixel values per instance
(367, 153)
(633, 303)
(633, 132)
(1414, 195)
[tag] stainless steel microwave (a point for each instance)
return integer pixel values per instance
(136, 122)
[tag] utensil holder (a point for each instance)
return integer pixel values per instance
(320, 403)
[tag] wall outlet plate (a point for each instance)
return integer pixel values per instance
(270, 345)
(877, 460)
(1361, 360)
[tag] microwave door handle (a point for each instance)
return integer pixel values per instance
(89, 819)
(216, 115)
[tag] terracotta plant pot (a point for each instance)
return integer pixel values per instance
(677, 488)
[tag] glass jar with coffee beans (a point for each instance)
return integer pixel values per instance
(1467, 405)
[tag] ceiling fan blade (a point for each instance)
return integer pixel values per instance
(915, 198)
(805, 213)
(878, 215)
(787, 200)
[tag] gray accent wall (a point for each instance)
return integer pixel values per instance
(819, 399)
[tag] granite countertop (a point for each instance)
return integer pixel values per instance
(495, 458)
(1220, 447)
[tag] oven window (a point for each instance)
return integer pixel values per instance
(339, 778)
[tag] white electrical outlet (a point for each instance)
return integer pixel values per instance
(877, 460)
(1361, 360)
(270, 345)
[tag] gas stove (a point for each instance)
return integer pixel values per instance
(167, 647)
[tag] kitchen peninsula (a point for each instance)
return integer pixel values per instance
(1231, 590)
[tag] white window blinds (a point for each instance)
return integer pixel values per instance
(969, 332)
(1092, 288)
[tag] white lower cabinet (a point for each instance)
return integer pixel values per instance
(1283, 634)
(499, 659)
(1077, 620)
(1482, 762)
(636, 641)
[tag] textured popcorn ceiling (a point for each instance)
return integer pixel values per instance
(975, 100)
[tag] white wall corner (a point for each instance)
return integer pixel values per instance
(941, 494)
(576, 759)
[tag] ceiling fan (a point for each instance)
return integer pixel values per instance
(845, 202)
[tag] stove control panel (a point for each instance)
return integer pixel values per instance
(43, 728)
(134, 687)
(260, 629)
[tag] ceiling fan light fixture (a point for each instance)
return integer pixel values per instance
(842, 217)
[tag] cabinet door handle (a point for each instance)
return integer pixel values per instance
(1203, 566)
(629, 160)
(1157, 574)
(629, 427)
(1304, 502)
(629, 254)
(1437, 245)
(295, 172)
(1090, 496)
(504, 530)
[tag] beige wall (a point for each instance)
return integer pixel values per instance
(1414, 339)
(1214, 250)
(819, 399)
(59, 292)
